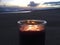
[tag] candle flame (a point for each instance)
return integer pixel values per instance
(32, 28)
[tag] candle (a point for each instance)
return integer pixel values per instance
(32, 32)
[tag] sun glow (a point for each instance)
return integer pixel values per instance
(19, 3)
(23, 2)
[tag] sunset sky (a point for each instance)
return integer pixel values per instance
(24, 2)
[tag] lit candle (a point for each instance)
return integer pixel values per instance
(32, 32)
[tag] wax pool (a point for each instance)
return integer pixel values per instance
(32, 37)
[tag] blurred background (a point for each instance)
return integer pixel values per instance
(18, 5)
(12, 11)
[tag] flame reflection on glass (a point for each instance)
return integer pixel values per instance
(32, 27)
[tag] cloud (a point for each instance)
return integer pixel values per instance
(33, 4)
(53, 3)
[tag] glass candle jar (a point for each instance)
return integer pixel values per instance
(32, 32)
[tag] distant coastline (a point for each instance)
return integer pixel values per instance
(16, 9)
(16, 12)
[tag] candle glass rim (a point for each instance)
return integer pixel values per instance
(42, 21)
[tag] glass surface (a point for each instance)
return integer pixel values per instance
(31, 25)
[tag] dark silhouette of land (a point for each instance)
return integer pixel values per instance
(9, 32)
